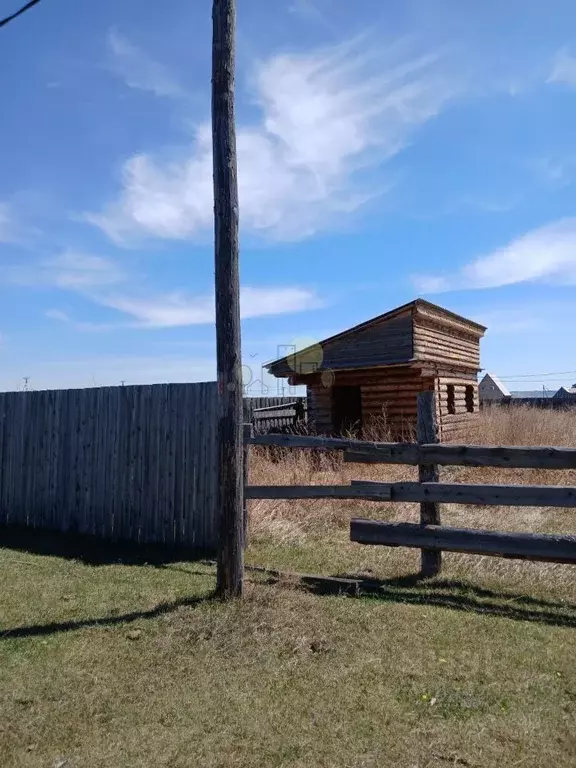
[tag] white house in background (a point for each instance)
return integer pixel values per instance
(491, 389)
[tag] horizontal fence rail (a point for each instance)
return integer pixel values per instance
(358, 451)
(365, 491)
(515, 457)
(447, 493)
(521, 546)
(275, 408)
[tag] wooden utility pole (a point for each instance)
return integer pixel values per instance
(427, 432)
(230, 569)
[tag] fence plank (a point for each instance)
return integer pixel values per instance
(248, 432)
(3, 457)
(486, 495)
(308, 441)
(464, 455)
(522, 546)
(179, 466)
(360, 490)
(191, 488)
(10, 470)
(55, 459)
(29, 458)
(528, 457)
(96, 476)
(110, 529)
(428, 432)
(448, 493)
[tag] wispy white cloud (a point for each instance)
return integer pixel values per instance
(69, 270)
(102, 281)
(138, 70)
(13, 231)
(57, 314)
(547, 255)
(563, 68)
(307, 10)
(178, 309)
(555, 170)
(6, 225)
(324, 117)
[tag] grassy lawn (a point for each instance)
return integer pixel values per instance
(110, 664)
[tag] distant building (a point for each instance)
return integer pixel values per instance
(566, 394)
(492, 390)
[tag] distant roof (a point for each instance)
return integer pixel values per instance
(568, 390)
(532, 394)
(502, 387)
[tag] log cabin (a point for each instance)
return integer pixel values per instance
(368, 377)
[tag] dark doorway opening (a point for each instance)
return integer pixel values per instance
(347, 409)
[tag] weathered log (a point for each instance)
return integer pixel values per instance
(485, 495)
(464, 455)
(359, 490)
(522, 546)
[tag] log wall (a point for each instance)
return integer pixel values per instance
(389, 396)
(457, 419)
(389, 400)
(448, 344)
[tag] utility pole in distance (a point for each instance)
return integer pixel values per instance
(230, 567)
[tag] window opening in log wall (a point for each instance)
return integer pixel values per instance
(451, 399)
(470, 398)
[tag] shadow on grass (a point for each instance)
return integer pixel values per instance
(41, 630)
(93, 550)
(462, 596)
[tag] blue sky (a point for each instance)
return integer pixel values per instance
(386, 150)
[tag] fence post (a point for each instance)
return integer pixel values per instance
(248, 432)
(427, 432)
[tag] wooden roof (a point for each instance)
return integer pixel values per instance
(419, 308)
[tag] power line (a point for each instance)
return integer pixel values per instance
(18, 13)
(514, 377)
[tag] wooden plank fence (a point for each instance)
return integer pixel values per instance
(136, 463)
(430, 536)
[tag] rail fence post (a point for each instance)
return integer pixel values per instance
(427, 432)
(248, 432)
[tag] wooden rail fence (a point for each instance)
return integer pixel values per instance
(430, 536)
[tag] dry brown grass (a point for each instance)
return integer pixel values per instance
(523, 425)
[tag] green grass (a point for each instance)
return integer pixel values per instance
(135, 665)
